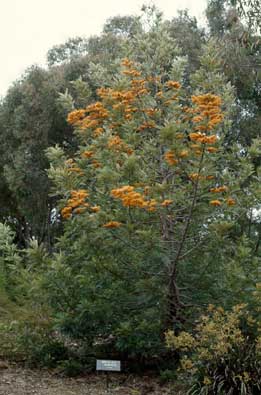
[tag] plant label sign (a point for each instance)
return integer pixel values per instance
(108, 366)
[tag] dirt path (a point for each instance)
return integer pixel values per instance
(18, 381)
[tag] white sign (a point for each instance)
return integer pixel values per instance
(106, 365)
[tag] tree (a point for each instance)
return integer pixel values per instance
(30, 122)
(143, 197)
(71, 49)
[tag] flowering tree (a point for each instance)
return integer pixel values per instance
(147, 175)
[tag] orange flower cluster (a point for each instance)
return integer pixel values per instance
(127, 62)
(76, 203)
(73, 168)
(215, 203)
(212, 150)
(132, 73)
(159, 94)
(97, 114)
(112, 224)
(130, 69)
(66, 212)
(219, 189)
(170, 100)
(230, 201)
(173, 84)
(154, 79)
(151, 112)
(130, 198)
(208, 110)
(87, 154)
(97, 110)
(121, 100)
(196, 176)
(96, 164)
(139, 83)
(76, 116)
(183, 153)
(147, 125)
(202, 138)
(170, 158)
(117, 144)
(166, 202)
(95, 209)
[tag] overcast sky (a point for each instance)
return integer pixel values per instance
(29, 28)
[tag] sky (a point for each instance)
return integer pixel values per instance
(29, 28)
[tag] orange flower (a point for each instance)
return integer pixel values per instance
(74, 202)
(230, 201)
(79, 210)
(97, 132)
(219, 189)
(132, 73)
(208, 109)
(215, 202)
(126, 62)
(166, 202)
(120, 192)
(202, 138)
(207, 99)
(194, 176)
(96, 164)
(170, 158)
(75, 116)
(129, 151)
(147, 125)
(112, 224)
(95, 209)
(130, 198)
(75, 170)
(80, 193)
(173, 84)
(115, 142)
(87, 154)
(198, 118)
(159, 94)
(143, 91)
(88, 124)
(151, 111)
(196, 136)
(210, 139)
(66, 212)
(183, 154)
(212, 150)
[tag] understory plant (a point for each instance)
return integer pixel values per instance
(223, 353)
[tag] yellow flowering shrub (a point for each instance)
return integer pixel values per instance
(223, 355)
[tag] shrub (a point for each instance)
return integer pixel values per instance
(31, 338)
(223, 355)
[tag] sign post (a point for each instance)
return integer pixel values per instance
(107, 366)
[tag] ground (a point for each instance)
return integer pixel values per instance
(19, 381)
